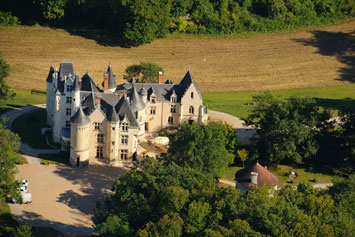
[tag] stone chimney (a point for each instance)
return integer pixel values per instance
(254, 177)
(160, 78)
(105, 82)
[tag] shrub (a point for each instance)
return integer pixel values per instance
(7, 19)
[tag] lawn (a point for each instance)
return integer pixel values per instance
(23, 97)
(28, 127)
(333, 97)
(60, 158)
(303, 175)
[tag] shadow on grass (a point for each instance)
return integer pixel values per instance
(336, 104)
(61, 158)
(28, 127)
(101, 37)
(338, 44)
(96, 182)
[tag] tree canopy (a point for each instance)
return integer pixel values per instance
(5, 92)
(145, 72)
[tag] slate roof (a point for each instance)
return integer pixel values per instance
(66, 69)
(136, 100)
(50, 74)
(80, 117)
(88, 84)
(111, 78)
(124, 111)
(76, 86)
(264, 176)
(162, 91)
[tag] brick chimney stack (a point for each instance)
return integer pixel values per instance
(97, 100)
(105, 82)
(160, 78)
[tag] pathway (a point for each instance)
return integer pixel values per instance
(244, 133)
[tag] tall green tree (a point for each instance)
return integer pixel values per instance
(145, 72)
(288, 130)
(5, 92)
(201, 147)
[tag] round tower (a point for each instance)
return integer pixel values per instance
(138, 108)
(79, 139)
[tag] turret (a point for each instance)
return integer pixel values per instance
(76, 93)
(79, 139)
(109, 83)
(138, 108)
(143, 93)
(112, 135)
(49, 84)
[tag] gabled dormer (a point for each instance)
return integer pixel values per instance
(187, 82)
(173, 97)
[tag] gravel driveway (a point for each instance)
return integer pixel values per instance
(64, 197)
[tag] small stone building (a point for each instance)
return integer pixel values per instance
(105, 125)
(255, 176)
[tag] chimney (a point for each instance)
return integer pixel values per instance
(105, 82)
(97, 100)
(160, 78)
(254, 177)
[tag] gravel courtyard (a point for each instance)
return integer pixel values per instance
(64, 197)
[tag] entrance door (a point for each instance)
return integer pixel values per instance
(147, 126)
(191, 121)
(77, 161)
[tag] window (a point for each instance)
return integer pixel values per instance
(99, 152)
(152, 110)
(69, 99)
(125, 127)
(124, 139)
(68, 111)
(173, 99)
(192, 95)
(191, 110)
(97, 126)
(67, 124)
(100, 138)
(173, 108)
(113, 143)
(113, 128)
(170, 120)
(153, 99)
(124, 154)
(69, 88)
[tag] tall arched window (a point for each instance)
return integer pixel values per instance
(191, 110)
(192, 95)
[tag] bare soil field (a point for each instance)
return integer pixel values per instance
(300, 59)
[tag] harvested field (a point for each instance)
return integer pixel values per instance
(301, 59)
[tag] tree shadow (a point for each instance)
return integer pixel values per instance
(36, 220)
(95, 181)
(338, 44)
(336, 104)
(101, 37)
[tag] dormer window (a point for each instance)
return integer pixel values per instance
(153, 99)
(192, 95)
(173, 99)
(124, 127)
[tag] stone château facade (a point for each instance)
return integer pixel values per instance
(105, 125)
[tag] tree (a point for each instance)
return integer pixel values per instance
(201, 147)
(52, 9)
(243, 155)
(145, 72)
(288, 130)
(113, 226)
(231, 136)
(5, 92)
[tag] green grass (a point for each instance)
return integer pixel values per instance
(23, 98)
(303, 175)
(333, 97)
(28, 127)
(60, 158)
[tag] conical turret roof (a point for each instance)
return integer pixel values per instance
(112, 115)
(111, 78)
(80, 117)
(50, 74)
(76, 83)
(136, 101)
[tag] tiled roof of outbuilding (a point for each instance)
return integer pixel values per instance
(264, 176)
